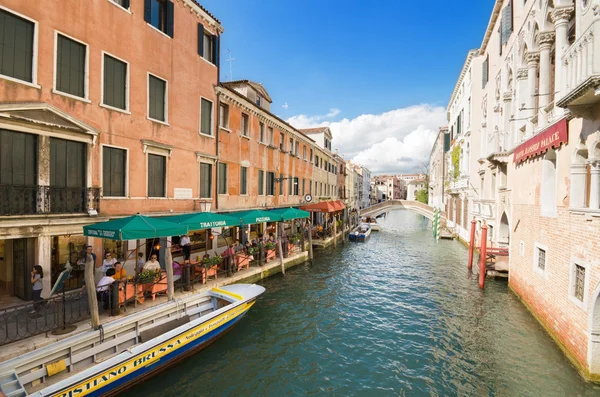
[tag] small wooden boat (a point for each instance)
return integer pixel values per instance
(361, 233)
(108, 361)
(372, 221)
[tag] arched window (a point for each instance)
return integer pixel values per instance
(548, 188)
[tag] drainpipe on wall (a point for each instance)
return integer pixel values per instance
(217, 123)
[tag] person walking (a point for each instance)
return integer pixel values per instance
(186, 246)
(37, 274)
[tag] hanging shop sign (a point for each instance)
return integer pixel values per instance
(551, 137)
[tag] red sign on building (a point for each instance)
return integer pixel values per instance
(551, 137)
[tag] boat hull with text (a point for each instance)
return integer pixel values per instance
(156, 350)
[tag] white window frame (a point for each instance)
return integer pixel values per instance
(166, 154)
(126, 172)
(262, 134)
(536, 248)
(127, 83)
(166, 122)
(86, 79)
(245, 134)
(34, 60)
(212, 121)
(247, 181)
(264, 192)
(225, 127)
(212, 172)
(226, 179)
(573, 278)
(127, 10)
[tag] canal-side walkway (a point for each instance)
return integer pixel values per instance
(250, 275)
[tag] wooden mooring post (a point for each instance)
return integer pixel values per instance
(472, 243)
(482, 255)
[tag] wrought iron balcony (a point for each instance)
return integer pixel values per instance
(582, 62)
(31, 200)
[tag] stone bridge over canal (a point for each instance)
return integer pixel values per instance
(415, 206)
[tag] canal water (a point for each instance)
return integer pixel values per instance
(398, 315)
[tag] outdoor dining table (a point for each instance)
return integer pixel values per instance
(242, 260)
(200, 269)
(130, 290)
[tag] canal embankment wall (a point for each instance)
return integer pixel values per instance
(250, 275)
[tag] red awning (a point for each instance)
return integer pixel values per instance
(551, 137)
(339, 206)
(324, 206)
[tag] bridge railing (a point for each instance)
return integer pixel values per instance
(400, 203)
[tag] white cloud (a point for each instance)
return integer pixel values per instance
(304, 121)
(391, 142)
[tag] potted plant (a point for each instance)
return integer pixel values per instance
(147, 277)
(270, 248)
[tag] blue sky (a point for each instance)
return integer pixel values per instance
(355, 56)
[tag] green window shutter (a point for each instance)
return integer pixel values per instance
(114, 162)
(205, 180)
(115, 83)
(216, 49)
(156, 175)
(261, 180)
(70, 67)
(16, 46)
(200, 39)
(18, 159)
(170, 18)
(157, 88)
(243, 180)
(148, 11)
(222, 185)
(290, 182)
(206, 114)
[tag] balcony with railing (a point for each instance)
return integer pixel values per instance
(37, 200)
(582, 62)
(484, 208)
(460, 183)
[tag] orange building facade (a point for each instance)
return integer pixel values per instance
(101, 116)
(100, 123)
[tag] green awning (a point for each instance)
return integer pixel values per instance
(288, 214)
(133, 228)
(203, 220)
(255, 216)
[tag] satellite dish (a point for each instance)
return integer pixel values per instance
(308, 198)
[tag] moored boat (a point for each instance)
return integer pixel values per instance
(372, 221)
(86, 364)
(361, 233)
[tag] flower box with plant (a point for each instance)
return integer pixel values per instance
(210, 262)
(296, 238)
(147, 277)
(270, 250)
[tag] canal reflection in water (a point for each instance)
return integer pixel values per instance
(398, 315)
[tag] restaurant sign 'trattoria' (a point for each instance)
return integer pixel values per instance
(551, 137)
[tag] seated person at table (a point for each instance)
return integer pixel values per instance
(152, 264)
(103, 287)
(177, 271)
(120, 273)
(238, 247)
(140, 262)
